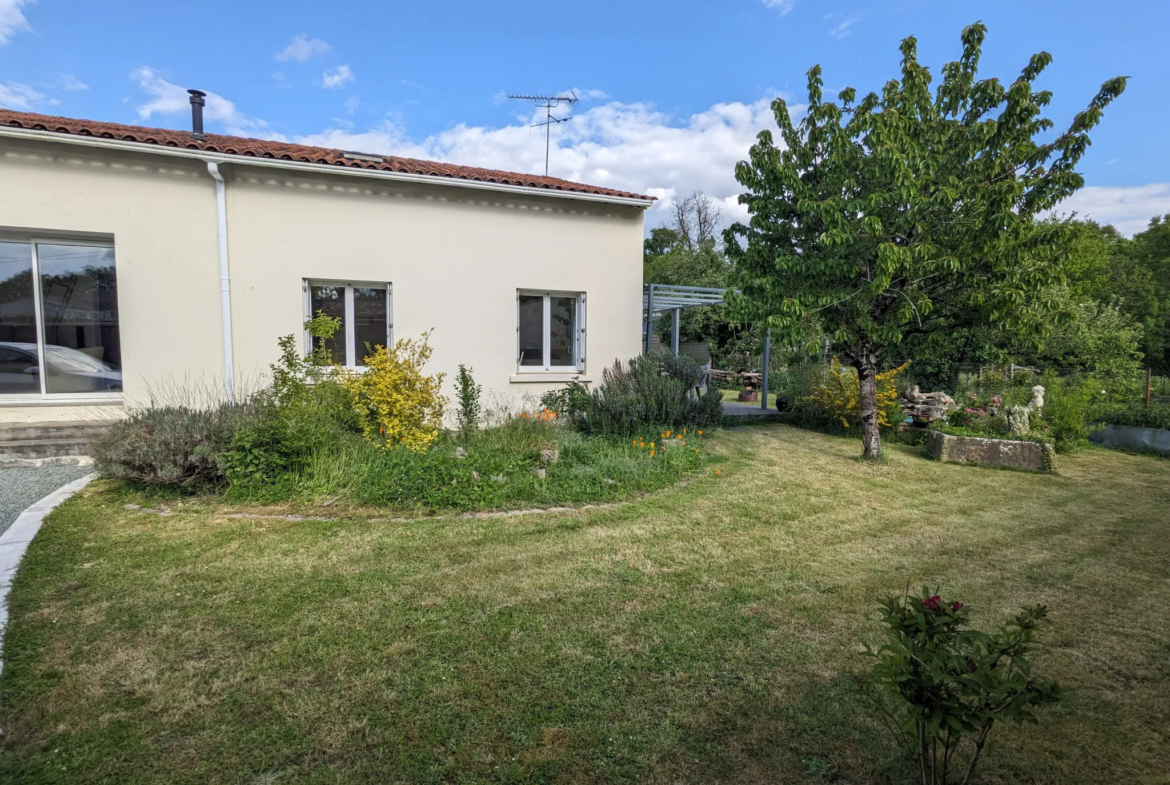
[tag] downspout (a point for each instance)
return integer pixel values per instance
(225, 284)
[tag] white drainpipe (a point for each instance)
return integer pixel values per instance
(225, 284)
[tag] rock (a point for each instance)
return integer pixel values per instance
(132, 506)
(550, 455)
(1007, 453)
(925, 408)
(327, 502)
(499, 478)
(475, 476)
(460, 453)
(610, 481)
(540, 472)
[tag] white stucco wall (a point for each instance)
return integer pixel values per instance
(455, 257)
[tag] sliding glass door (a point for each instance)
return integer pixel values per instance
(59, 331)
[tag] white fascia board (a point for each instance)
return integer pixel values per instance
(300, 166)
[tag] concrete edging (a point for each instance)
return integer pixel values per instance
(14, 542)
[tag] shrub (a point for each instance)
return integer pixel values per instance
(943, 686)
(1068, 404)
(1135, 414)
(647, 392)
(172, 445)
(396, 403)
(833, 397)
(467, 394)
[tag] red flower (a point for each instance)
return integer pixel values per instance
(971, 666)
(932, 603)
(956, 605)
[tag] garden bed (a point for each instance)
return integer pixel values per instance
(1001, 453)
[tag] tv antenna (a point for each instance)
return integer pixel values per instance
(548, 103)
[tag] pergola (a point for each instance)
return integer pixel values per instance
(657, 298)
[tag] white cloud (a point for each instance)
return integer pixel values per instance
(336, 77)
(71, 82)
(352, 103)
(12, 21)
(1129, 208)
(843, 29)
(631, 147)
(783, 6)
(166, 98)
(14, 95)
(302, 48)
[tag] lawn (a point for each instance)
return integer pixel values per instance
(706, 633)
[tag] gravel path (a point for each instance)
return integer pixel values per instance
(21, 487)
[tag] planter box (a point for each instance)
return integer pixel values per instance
(1132, 437)
(1005, 453)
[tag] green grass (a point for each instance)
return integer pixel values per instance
(733, 396)
(706, 633)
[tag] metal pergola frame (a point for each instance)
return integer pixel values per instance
(657, 298)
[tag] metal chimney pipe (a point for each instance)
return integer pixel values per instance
(197, 104)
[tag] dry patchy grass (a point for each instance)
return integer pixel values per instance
(708, 633)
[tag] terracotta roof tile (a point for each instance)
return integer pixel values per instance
(263, 148)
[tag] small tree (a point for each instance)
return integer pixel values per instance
(907, 213)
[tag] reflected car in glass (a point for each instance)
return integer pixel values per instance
(69, 370)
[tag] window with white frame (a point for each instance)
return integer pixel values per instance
(365, 311)
(59, 326)
(550, 331)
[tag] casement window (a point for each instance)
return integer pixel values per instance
(366, 314)
(550, 331)
(59, 332)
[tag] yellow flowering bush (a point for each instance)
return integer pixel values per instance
(396, 403)
(837, 393)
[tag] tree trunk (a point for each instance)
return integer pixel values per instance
(867, 376)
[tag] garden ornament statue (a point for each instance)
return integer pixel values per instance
(1037, 401)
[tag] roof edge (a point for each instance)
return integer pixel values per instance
(302, 166)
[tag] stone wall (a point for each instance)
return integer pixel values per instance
(1007, 453)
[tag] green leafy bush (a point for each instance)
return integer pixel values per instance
(943, 687)
(645, 393)
(467, 406)
(1068, 405)
(181, 446)
(1135, 414)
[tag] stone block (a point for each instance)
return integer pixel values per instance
(1005, 453)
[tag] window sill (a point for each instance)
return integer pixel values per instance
(61, 399)
(546, 377)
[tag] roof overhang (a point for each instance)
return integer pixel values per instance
(304, 167)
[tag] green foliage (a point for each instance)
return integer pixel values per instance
(467, 406)
(908, 213)
(499, 468)
(943, 686)
(1135, 414)
(1068, 408)
(181, 446)
(647, 392)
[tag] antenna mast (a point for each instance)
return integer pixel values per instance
(548, 103)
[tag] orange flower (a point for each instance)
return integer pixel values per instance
(696, 449)
(700, 433)
(634, 442)
(651, 453)
(718, 472)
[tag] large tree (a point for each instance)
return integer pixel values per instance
(908, 212)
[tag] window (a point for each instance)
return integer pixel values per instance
(58, 319)
(550, 331)
(365, 313)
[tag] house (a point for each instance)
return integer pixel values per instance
(135, 262)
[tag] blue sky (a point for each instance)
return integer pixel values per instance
(673, 92)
